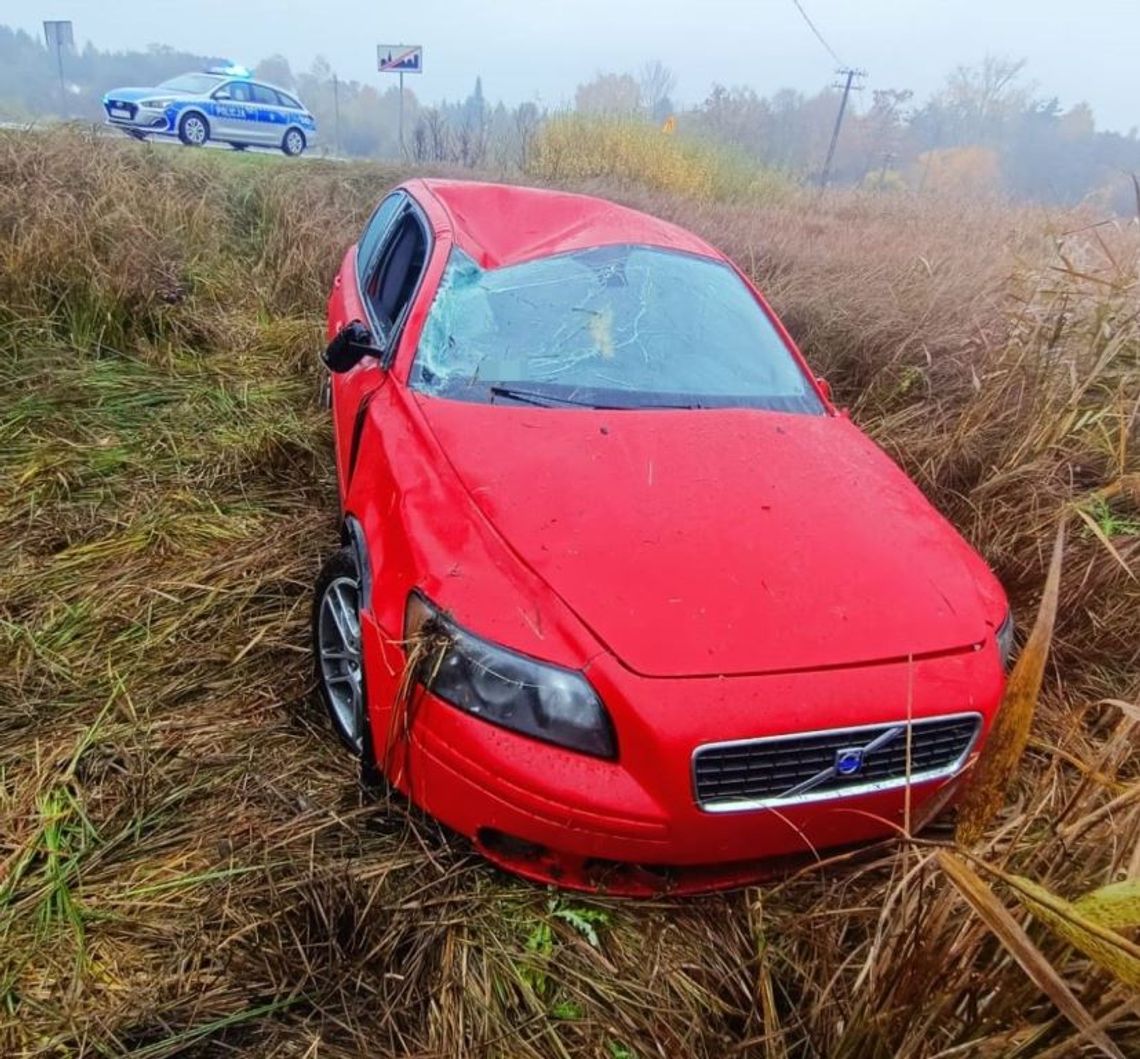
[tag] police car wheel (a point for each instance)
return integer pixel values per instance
(193, 130)
(294, 143)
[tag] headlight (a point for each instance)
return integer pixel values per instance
(538, 699)
(156, 104)
(1005, 640)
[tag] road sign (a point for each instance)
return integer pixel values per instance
(58, 35)
(400, 58)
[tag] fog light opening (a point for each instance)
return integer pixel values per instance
(511, 846)
(656, 877)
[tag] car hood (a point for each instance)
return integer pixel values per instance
(134, 95)
(720, 542)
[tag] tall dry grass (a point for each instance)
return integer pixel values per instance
(626, 152)
(187, 866)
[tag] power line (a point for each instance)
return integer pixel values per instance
(849, 75)
(818, 35)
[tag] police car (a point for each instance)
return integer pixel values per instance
(221, 103)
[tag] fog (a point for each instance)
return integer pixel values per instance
(535, 50)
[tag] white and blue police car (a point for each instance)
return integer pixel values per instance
(224, 104)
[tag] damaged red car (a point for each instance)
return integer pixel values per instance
(622, 597)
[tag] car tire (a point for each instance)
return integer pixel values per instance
(194, 129)
(293, 143)
(339, 661)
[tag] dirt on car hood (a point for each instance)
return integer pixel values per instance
(721, 542)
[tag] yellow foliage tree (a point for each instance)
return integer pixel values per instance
(969, 171)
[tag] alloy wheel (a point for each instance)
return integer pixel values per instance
(338, 630)
(195, 131)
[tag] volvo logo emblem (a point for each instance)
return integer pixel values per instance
(849, 761)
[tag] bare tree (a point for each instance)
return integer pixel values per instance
(985, 94)
(609, 94)
(470, 144)
(436, 134)
(657, 84)
(526, 128)
(420, 141)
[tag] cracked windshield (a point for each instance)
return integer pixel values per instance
(611, 327)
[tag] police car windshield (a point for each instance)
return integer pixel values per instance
(193, 84)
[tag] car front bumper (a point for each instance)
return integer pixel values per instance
(547, 842)
(634, 826)
(129, 115)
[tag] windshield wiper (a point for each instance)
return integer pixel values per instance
(543, 400)
(550, 400)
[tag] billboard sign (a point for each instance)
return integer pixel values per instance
(58, 35)
(400, 58)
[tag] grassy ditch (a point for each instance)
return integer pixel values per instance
(187, 866)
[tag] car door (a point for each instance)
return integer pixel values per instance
(269, 117)
(233, 112)
(347, 303)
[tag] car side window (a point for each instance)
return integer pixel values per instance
(390, 285)
(288, 101)
(238, 91)
(372, 237)
(262, 94)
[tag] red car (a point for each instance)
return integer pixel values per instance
(622, 596)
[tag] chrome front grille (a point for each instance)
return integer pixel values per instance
(118, 104)
(836, 763)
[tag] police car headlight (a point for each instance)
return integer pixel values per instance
(157, 104)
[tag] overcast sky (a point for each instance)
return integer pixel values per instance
(540, 49)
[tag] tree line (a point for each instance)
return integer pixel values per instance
(986, 131)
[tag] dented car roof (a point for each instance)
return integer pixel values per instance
(503, 224)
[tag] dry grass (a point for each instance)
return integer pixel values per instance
(187, 865)
(626, 152)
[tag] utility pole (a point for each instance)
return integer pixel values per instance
(336, 112)
(403, 150)
(59, 35)
(62, 88)
(847, 86)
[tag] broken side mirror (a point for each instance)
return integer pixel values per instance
(351, 344)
